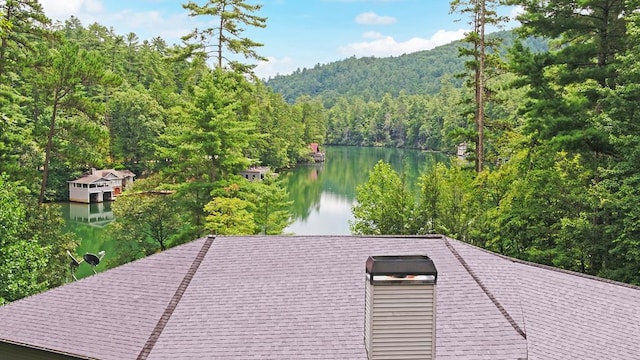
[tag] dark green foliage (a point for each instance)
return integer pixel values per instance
(619, 189)
(24, 25)
(562, 142)
(564, 185)
(66, 86)
(483, 62)
(146, 223)
(135, 121)
(446, 203)
(219, 129)
(32, 244)
(280, 143)
(371, 78)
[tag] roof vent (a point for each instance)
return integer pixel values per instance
(400, 307)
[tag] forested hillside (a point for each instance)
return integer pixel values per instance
(370, 78)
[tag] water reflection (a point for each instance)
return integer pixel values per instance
(94, 214)
(323, 194)
(329, 216)
(89, 223)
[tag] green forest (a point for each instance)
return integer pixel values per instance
(548, 112)
(75, 97)
(370, 78)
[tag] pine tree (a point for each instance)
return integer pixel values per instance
(70, 69)
(231, 15)
(23, 23)
(484, 60)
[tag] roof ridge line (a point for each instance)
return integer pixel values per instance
(573, 272)
(556, 269)
(484, 288)
(175, 299)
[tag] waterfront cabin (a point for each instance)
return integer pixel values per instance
(255, 173)
(99, 185)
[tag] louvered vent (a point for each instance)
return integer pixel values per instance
(400, 307)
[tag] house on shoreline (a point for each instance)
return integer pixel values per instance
(97, 186)
(316, 154)
(255, 173)
(327, 297)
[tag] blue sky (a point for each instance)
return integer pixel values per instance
(299, 33)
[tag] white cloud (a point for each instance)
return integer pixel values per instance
(93, 6)
(150, 24)
(372, 35)
(513, 14)
(371, 18)
(382, 46)
(139, 19)
(62, 10)
(275, 66)
(145, 24)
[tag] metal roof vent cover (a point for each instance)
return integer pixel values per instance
(400, 307)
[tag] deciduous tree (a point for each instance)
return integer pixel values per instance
(136, 122)
(146, 222)
(384, 205)
(229, 216)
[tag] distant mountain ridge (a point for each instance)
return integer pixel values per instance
(421, 72)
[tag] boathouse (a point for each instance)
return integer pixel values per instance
(99, 185)
(316, 154)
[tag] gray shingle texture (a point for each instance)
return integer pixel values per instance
(302, 297)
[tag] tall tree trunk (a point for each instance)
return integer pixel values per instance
(480, 24)
(47, 153)
(220, 34)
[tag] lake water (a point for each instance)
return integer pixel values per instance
(322, 195)
(89, 223)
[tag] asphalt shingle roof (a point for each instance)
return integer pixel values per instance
(107, 316)
(302, 297)
(91, 177)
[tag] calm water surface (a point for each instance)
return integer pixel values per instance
(89, 223)
(322, 194)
